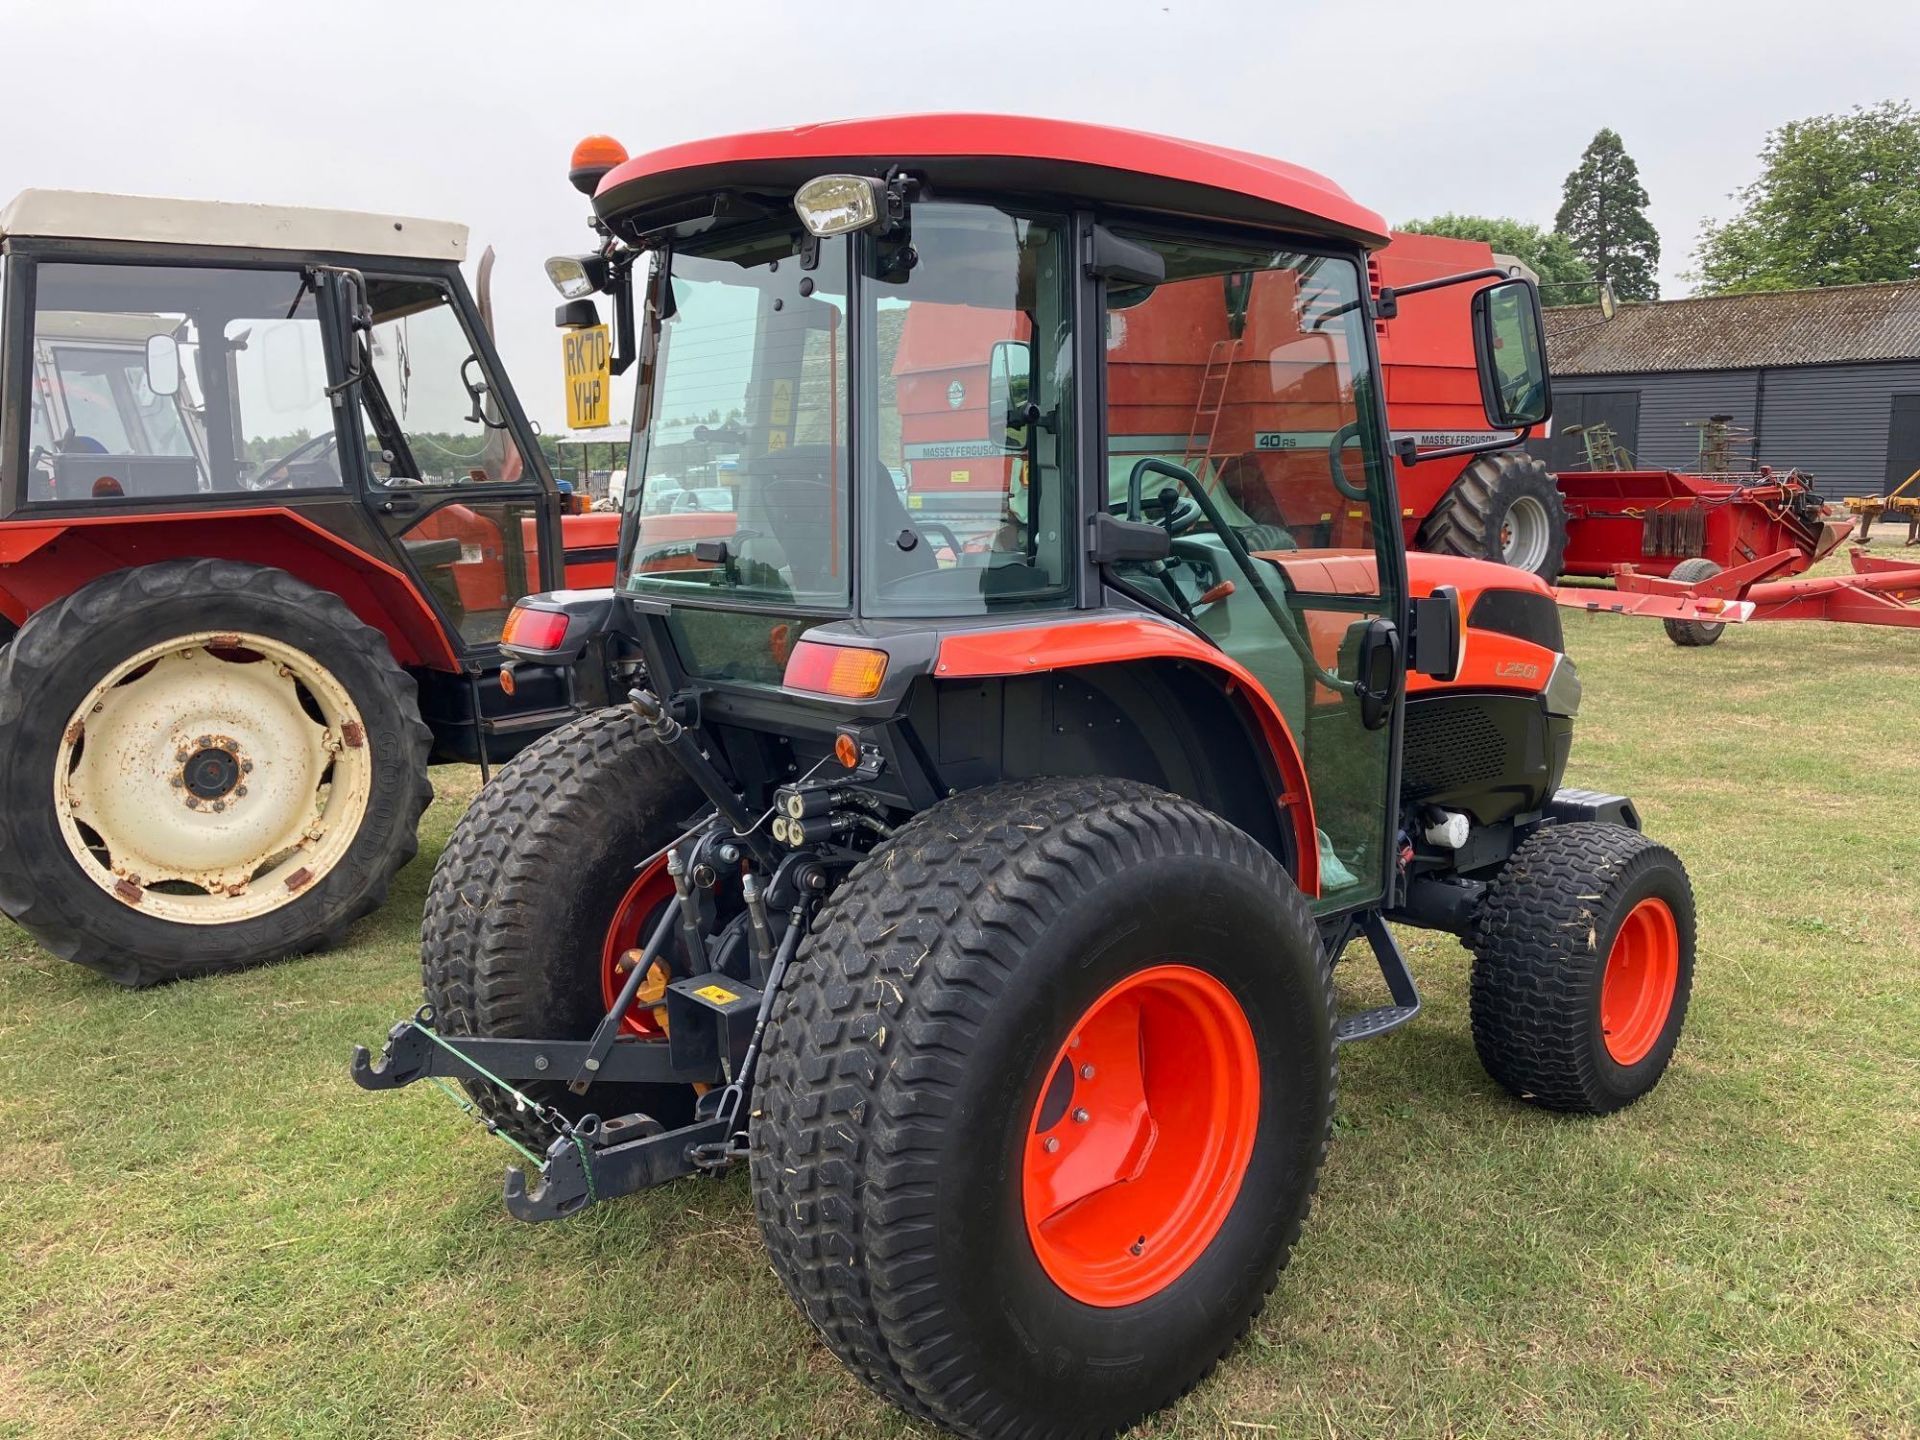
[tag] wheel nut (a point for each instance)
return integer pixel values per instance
(183, 756)
(1080, 1117)
(246, 767)
(1086, 1072)
(1052, 1145)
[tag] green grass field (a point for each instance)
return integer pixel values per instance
(206, 1230)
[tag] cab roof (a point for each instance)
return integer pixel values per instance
(995, 153)
(148, 219)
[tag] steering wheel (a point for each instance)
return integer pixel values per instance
(1349, 431)
(934, 530)
(1179, 514)
(279, 474)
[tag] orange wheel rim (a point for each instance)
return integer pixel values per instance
(1637, 988)
(633, 921)
(1141, 1136)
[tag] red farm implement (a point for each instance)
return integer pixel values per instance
(1880, 591)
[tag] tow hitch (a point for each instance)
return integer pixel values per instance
(714, 1023)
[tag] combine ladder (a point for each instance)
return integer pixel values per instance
(1205, 426)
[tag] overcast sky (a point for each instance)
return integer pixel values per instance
(468, 110)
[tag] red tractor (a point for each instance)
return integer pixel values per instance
(981, 893)
(268, 501)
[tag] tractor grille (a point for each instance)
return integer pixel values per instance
(1451, 746)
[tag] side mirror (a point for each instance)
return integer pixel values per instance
(1009, 394)
(1510, 347)
(163, 365)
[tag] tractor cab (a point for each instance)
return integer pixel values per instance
(985, 416)
(266, 503)
(241, 361)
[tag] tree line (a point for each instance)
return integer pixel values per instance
(1837, 202)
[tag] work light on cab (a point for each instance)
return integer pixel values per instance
(577, 276)
(838, 204)
(593, 157)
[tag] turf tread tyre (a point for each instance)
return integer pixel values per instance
(517, 909)
(43, 890)
(920, 943)
(1541, 938)
(1693, 633)
(1468, 518)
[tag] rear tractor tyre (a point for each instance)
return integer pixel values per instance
(1694, 632)
(1583, 965)
(1504, 507)
(541, 890)
(203, 765)
(1043, 1105)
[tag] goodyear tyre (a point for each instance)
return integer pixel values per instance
(1583, 967)
(548, 879)
(1043, 1105)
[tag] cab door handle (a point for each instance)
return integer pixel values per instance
(1377, 671)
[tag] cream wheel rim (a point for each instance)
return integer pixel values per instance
(213, 778)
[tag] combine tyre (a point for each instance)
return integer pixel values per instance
(185, 794)
(1042, 1033)
(1503, 507)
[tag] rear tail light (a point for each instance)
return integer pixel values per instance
(845, 670)
(534, 629)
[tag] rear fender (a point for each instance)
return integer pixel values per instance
(42, 561)
(1181, 682)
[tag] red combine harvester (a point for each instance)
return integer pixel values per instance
(1193, 373)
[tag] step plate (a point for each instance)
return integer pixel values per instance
(1365, 1024)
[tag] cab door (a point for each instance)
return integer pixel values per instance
(1246, 376)
(452, 476)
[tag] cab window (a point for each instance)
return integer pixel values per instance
(156, 381)
(967, 510)
(431, 415)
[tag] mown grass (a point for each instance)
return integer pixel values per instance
(208, 1231)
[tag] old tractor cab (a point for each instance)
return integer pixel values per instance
(266, 503)
(971, 858)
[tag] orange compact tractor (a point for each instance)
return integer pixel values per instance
(267, 503)
(981, 891)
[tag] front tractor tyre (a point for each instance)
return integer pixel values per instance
(1583, 965)
(1043, 1105)
(203, 765)
(549, 879)
(1504, 507)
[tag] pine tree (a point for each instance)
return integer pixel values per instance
(1603, 214)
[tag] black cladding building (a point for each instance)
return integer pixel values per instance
(1828, 380)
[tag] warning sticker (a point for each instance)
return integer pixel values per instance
(718, 994)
